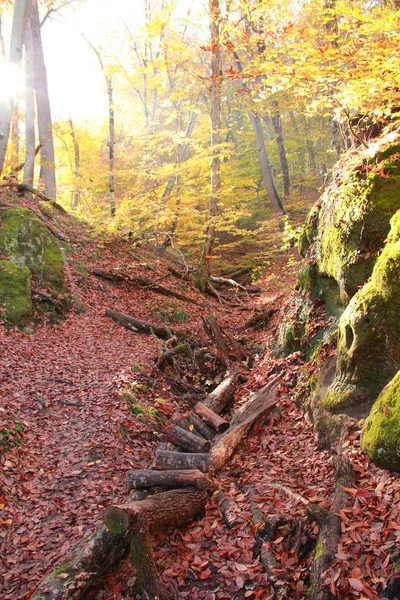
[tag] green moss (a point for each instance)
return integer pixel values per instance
(25, 240)
(381, 432)
(319, 549)
(354, 222)
(309, 231)
(369, 333)
(15, 293)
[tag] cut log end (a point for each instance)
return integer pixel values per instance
(116, 519)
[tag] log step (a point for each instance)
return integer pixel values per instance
(145, 478)
(165, 460)
(211, 418)
(186, 439)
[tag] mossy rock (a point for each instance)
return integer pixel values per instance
(369, 335)
(15, 293)
(309, 231)
(381, 433)
(354, 221)
(320, 287)
(26, 241)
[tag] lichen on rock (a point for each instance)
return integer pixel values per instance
(381, 433)
(15, 293)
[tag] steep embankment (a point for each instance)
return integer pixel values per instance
(351, 248)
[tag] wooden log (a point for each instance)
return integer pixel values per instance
(329, 524)
(204, 430)
(116, 275)
(256, 409)
(227, 507)
(210, 417)
(165, 460)
(169, 479)
(180, 420)
(186, 439)
(138, 326)
(220, 397)
(139, 519)
(256, 401)
(92, 557)
(168, 356)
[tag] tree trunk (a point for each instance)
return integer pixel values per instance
(111, 143)
(30, 153)
(204, 269)
(264, 164)
(164, 511)
(77, 164)
(21, 8)
(47, 164)
(277, 123)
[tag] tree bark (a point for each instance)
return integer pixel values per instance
(329, 524)
(277, 123)
(219, 398)
(210, 418)
(204, 269)
(165, 460)
(111, 143)
(186, 440)
(255, 409)
(21, 8)
(161, 512)
(45, 128)
(170, 479)
(204, 430)
(30, 150)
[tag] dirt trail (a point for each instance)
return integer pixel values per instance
(77, 449)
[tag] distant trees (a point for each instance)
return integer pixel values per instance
(26, 31)
(20, 17)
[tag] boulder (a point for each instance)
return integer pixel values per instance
(15, 293)
(27, 242)
(369, 335)
(381, 432)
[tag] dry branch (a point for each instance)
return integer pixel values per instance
(138, 326)
(116, 276)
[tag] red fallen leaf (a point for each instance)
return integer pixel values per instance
(386, 411)
(241, 568)
(239, 582)
(356, 584)
(351, 491)
(205, 574)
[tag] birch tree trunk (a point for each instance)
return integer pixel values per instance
(21, 8)
(29, 109)
(47, 165)
(204, 270)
